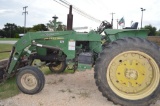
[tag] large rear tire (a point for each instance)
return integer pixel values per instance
(127, 72)
(30, 80)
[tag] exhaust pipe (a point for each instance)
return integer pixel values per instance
(70, 19)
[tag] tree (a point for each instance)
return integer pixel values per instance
(20, 29)
(39, 27)
(10, 30)
(2, 34)
(61, 27)
(58, 26)
(152, 30)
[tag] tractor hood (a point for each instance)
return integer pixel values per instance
(114, 34)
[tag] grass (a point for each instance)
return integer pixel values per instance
(46, 71)
(5, 47)
(8, 88)
(84, 94)
(9, 39)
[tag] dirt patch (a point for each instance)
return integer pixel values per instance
(155, 39)
(77, 89)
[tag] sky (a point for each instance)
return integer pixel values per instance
(41, 11)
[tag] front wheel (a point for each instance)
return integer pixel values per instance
(127, 72)
(30, 80)
(58, 67)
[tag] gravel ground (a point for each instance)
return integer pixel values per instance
(78, 89)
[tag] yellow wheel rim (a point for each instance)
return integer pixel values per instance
(58, 67)
(29, 81)
(133, 75)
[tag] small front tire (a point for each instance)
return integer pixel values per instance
(58, 67)
(30, 80)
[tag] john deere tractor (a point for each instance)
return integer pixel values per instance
(126, 65)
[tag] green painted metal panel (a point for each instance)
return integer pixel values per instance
(114, 34)
(95, 46)
(82, 67)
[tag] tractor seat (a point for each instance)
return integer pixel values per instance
(134, 26)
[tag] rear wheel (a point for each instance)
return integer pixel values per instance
(58, 67)
(30, 80)
(127, 72)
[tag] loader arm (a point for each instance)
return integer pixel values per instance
(23, 44)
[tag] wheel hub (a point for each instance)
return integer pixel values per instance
(29, 81)
(133, 75)
(130, 73)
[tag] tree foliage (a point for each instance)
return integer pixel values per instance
(58, 27)
(11, 30)
(152, 30)
(39, 27)
(1, 33)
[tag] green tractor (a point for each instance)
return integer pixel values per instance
(126, 65)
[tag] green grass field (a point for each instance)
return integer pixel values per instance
(9, 88)
(5, 47)
(9, 39)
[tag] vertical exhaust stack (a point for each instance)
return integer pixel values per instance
(70, 19)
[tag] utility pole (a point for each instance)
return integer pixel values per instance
(142, 9)
(10, 30)
(112, 19)
(25, 12)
